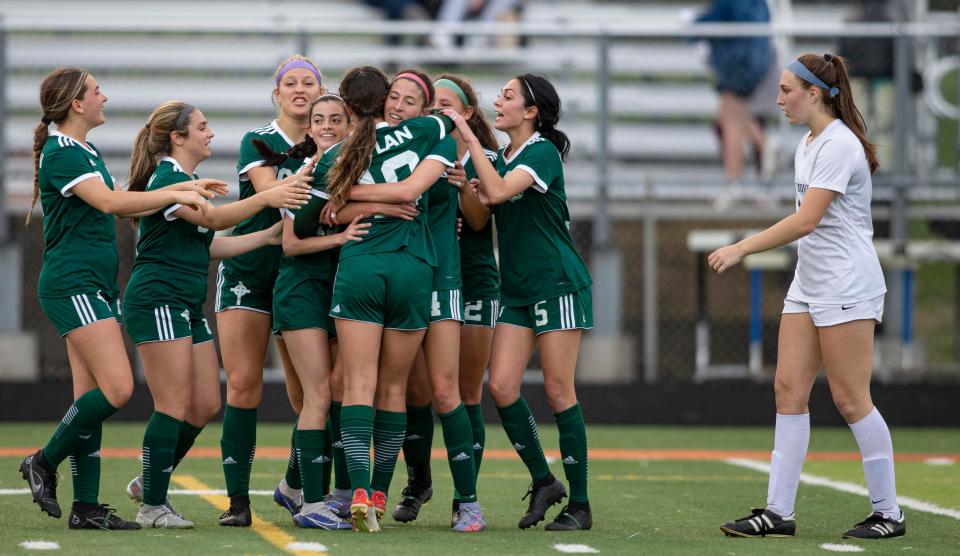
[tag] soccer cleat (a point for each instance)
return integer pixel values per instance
(379, 502)
(43, 483)
(414, 497)
(877, 527)
(291, 503)
(237, 515)
(319, 516)
(363, 514)
(135, 493)
(340, 507)
(580, 519)
(541, 498)
(761, 523)
(454, 510)
(470, 519)
(100, 516)
(160, 517)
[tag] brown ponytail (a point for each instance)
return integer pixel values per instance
(832, 70)
(364, 90)
(153, 140)
(478, 122)
(58, 90)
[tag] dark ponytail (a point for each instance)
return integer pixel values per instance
(538, 91)
(364, 90)
(832, 70)
(303, 149)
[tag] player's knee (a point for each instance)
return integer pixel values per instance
(118, 393)
(789, 398)
(446, 400)
(244, 389)
(851, 407)
(504, 392)
(560, 393)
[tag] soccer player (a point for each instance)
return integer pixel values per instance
(78, 285)
(481, 289)
(545, 290)
(245, 284)
(301, 306)
(434, 377)
(834, 302)
(381, 292)
(163, 305)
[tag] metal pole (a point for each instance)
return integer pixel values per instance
(3, 128)
(651, 316)
(898, 213)
(601, 221)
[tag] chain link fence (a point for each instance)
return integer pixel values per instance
(645, 180)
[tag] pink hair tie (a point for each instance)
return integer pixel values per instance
(416, 79)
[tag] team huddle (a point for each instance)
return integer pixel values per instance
(363, 243)
(347, 247)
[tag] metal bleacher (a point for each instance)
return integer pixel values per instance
(220, 56)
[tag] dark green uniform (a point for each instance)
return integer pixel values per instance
(168, 284)
(301, 297)
(478, 265)
(387, 277)
(78, 280)
(446, 301)
(247, 281)
(545, 284)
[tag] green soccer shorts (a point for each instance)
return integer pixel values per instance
(482, 312)
(391, 289)
(166, 322)
(567, 312)
(76, 311)
(232, 293)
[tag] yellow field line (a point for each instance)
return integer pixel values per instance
(270, 532)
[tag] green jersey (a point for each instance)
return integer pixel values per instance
(478, 265)
(322, 264)
(398, 151)
(80, 248)
(537, 257)
(173, 255)
(443, 200)
(259, 267)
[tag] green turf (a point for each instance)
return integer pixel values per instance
(655, 507)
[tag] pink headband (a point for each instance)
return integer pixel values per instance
(416, 79)
(294, 64)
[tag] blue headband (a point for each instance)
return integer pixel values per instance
(802, 72)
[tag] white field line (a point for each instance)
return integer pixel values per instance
(850, 488)
(841, 547)
(575, 549)
(40, 545)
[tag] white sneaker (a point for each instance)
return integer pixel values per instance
(160, 517)
(135, 492)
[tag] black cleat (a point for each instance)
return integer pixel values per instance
(237, 515)
(541, 498)
(100, 516)
(580, 519)
(877, 527)
(414, 497)
(761, 523)
(43, 483)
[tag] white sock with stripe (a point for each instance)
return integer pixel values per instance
(786, 462)
(876, 449)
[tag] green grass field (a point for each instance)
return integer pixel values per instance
(640, 504)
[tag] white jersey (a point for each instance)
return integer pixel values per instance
(837, 262)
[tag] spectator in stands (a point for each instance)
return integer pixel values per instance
(398, 10)
(455, 11)
(740, 65)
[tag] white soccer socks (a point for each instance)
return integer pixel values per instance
(876, 449)
(789, 450)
